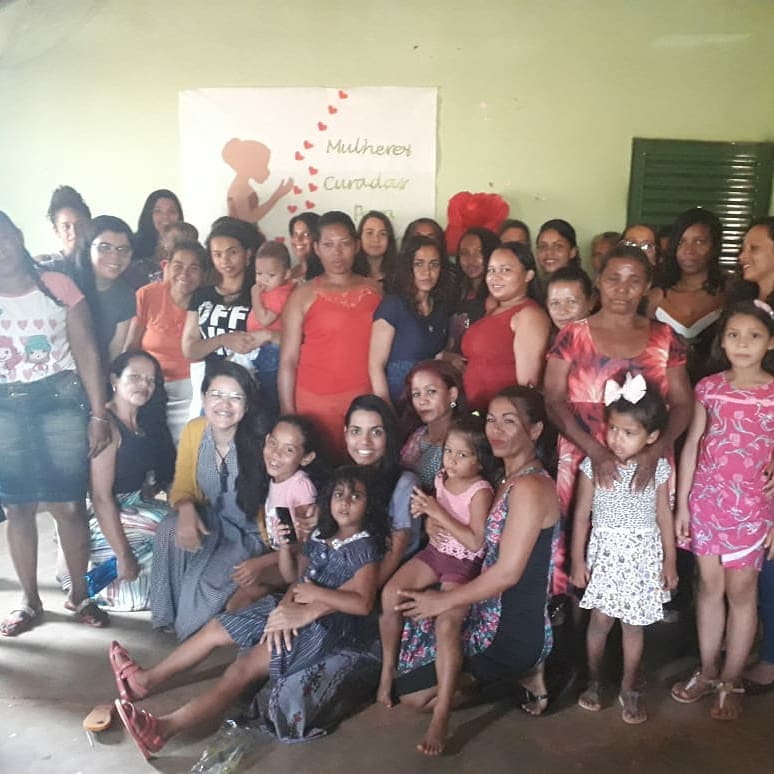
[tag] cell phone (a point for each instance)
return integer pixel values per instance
(284, 517)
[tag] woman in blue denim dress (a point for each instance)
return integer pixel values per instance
(50, 380)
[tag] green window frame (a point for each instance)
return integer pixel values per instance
(732, 179)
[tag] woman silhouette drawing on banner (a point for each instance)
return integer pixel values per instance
(250, 161)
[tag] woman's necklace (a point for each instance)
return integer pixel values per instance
(425, 309)
(533, 465)
(228, 298)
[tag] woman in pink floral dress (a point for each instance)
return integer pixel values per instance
(615, 340)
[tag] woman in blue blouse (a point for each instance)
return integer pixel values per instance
(411, 323)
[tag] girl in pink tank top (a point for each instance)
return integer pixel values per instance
(455, 522)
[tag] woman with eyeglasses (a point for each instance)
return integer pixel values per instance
(326, 332)
(215, 525)
(135, 466)
(99, 266)
(691, 298)
(50, 378)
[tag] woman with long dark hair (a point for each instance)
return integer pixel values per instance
(50, 378)
(219, 487)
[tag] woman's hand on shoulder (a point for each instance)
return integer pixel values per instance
(605, 467)
(647, 461)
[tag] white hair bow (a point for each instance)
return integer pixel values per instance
(632, 390)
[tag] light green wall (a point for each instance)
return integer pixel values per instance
(539, 100)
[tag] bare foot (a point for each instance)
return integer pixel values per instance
(435, 737)
(384, 692)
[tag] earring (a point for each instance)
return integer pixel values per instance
(453, 404)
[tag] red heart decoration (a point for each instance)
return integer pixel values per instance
(39, 323)
(309, 205)
(308, 144)
(312, 187)
(332, 109)
(321, 126)
(467, 210)
(297, 190)
(292, 208)
(299, 156)
(343, 94)
(22, 324)
(313, 170)
(279, 239)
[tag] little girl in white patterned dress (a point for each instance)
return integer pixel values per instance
(629, 565)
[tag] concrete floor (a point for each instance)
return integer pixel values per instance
(52, 676)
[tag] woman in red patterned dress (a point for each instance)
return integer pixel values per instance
(585, 355)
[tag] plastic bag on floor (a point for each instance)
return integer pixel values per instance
(231, 744)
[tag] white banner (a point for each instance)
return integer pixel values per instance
(265, 154)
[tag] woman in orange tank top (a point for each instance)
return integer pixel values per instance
(326, 331)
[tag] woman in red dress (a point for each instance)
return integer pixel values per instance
(508, 345)
(615, 340)
(326, 332)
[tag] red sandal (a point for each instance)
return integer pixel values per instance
(124, 667)
(142, 727)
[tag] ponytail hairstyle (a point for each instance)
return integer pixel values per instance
(530, 404)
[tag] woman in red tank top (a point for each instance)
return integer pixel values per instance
(508, 345)
(326, 332)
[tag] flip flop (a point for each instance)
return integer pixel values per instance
(99, 719)
(124, 667)
(142, 727)
(632, 711)
(21, 620)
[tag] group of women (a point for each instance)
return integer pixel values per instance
(379, 346)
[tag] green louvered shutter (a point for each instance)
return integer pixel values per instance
(733, 179)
